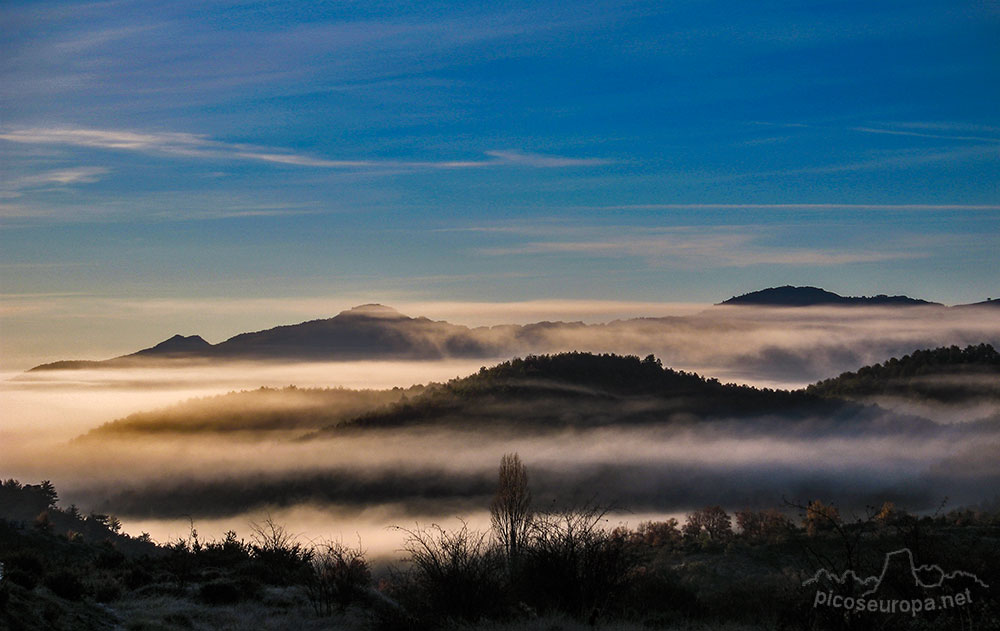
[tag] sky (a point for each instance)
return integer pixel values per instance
(214, 167)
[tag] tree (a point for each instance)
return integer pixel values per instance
(657, 534)
(820, 517)
(711, 520)
(765, 525)
(510, 511)
(49, 492)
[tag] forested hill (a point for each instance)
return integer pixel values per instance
(534, 393)
(588, 390)
(947, 374)
(605, 374)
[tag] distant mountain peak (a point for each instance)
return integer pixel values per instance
(177, 344)
(789, 296)
(372, 310)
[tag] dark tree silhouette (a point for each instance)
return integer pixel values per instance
(510, 511)
(713, 521)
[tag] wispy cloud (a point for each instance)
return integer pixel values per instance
(190, 145)
(162, 207)
(310, 307)
(880, 161)
(954, 146)
(57, 177)
(695, 247)
(541, 161)
(903, 132)
(817, 207)
(923, 130)
(899, 160)
(944, 126)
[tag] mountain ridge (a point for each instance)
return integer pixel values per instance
(790, 296)
(376, 331)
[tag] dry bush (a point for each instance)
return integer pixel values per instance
(340, 577)
(454, 575)
(574, 564)
(278, 558)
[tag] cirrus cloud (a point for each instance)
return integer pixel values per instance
(189, 145)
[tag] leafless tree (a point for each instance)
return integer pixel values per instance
(510, 511)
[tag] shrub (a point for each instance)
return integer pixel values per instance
(221, 592)
(278, 558)
(229, 552)
(24, 568)
(574, 565)
(65, 584)
(340, 576)
(107, 591)
(455, 574)
(137, 577)
(109, 558)
(660, 598)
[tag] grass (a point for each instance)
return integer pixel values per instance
(280, 609)
(562, 623)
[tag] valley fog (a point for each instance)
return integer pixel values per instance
(343, 487)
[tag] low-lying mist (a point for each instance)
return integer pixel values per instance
(358, 483)
(63, 404)
(380, 478)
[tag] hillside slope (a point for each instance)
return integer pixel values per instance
(946, 374)
(584, 390)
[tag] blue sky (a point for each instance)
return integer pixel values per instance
(660, 151)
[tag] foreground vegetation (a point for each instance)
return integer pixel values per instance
(552, 569)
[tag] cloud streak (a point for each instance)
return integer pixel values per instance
(814, 207)
(897, 132)
(696, 248)
(188, 145)
(53, 178)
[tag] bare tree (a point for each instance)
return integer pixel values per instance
(510, 511)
